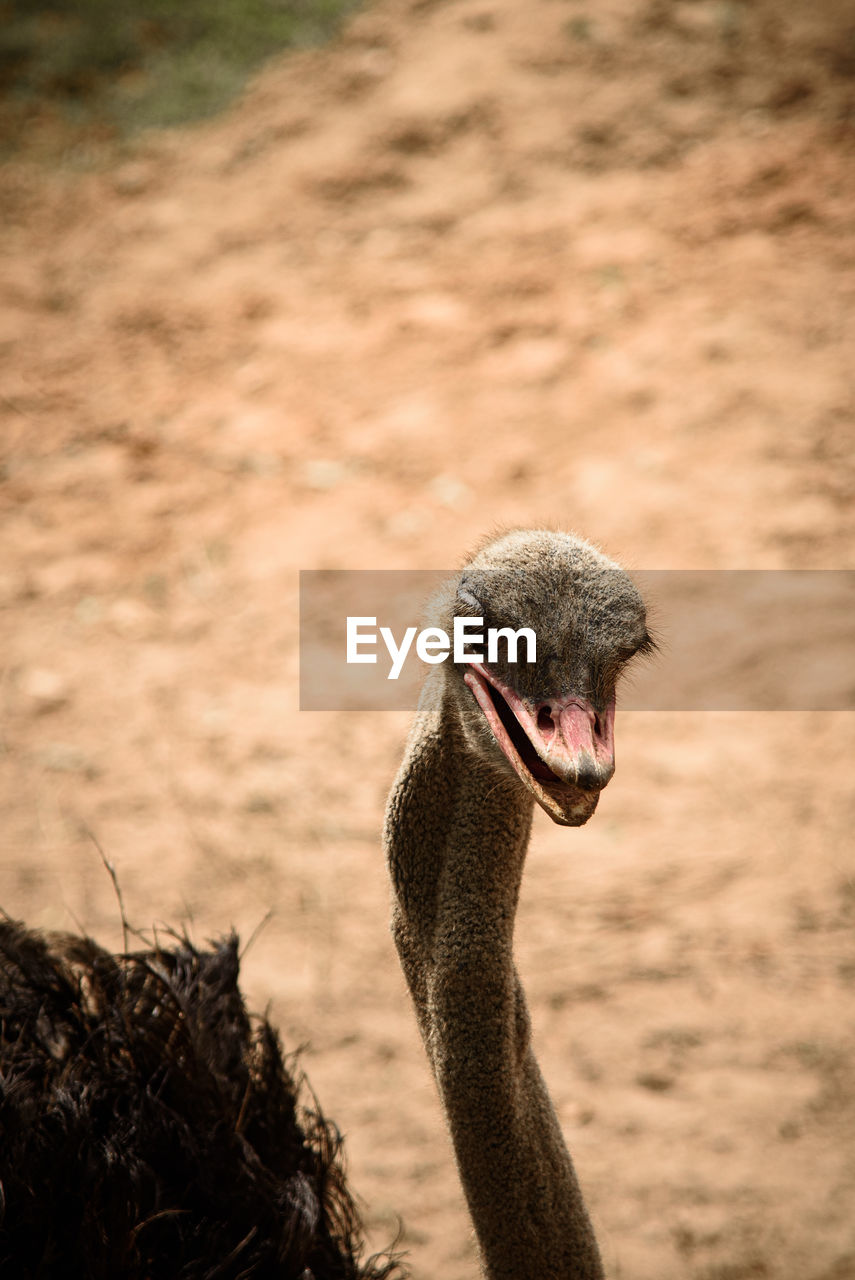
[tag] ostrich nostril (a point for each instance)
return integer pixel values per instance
(545, 723)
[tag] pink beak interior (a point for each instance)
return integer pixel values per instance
(572, 745)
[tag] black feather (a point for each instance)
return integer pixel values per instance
(150, 1128)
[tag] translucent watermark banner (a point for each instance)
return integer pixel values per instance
(728, 640)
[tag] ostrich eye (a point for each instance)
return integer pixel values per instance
(645, 645)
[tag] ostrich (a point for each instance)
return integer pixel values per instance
(147, 1129)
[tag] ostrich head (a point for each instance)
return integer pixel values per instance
(549, 723)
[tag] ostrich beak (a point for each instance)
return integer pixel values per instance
(561, 749)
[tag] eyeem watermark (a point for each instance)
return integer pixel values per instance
(729, 640)
(434, 645)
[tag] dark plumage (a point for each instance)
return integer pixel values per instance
(150, 1129)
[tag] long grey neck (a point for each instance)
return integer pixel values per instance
(456, 838)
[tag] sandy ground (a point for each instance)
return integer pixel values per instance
(479, 263)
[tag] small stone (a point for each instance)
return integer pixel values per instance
(325, 473)
(449, 491)
(130, 617)
(45, 690)
(60, 757)
(655, 1081)
(132, 179)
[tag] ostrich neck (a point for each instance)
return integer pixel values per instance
(456, 841)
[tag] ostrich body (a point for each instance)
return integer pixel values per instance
(150, 1130)
(138, 1107)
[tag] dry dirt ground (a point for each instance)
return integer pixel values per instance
(477, 263)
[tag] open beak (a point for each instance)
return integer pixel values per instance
(562, 749)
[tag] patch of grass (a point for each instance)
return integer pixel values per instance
(128, 65)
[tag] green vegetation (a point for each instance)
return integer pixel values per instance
(126, 65)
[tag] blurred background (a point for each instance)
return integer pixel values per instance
(422, 270)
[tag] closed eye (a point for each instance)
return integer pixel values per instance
(646, 645)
